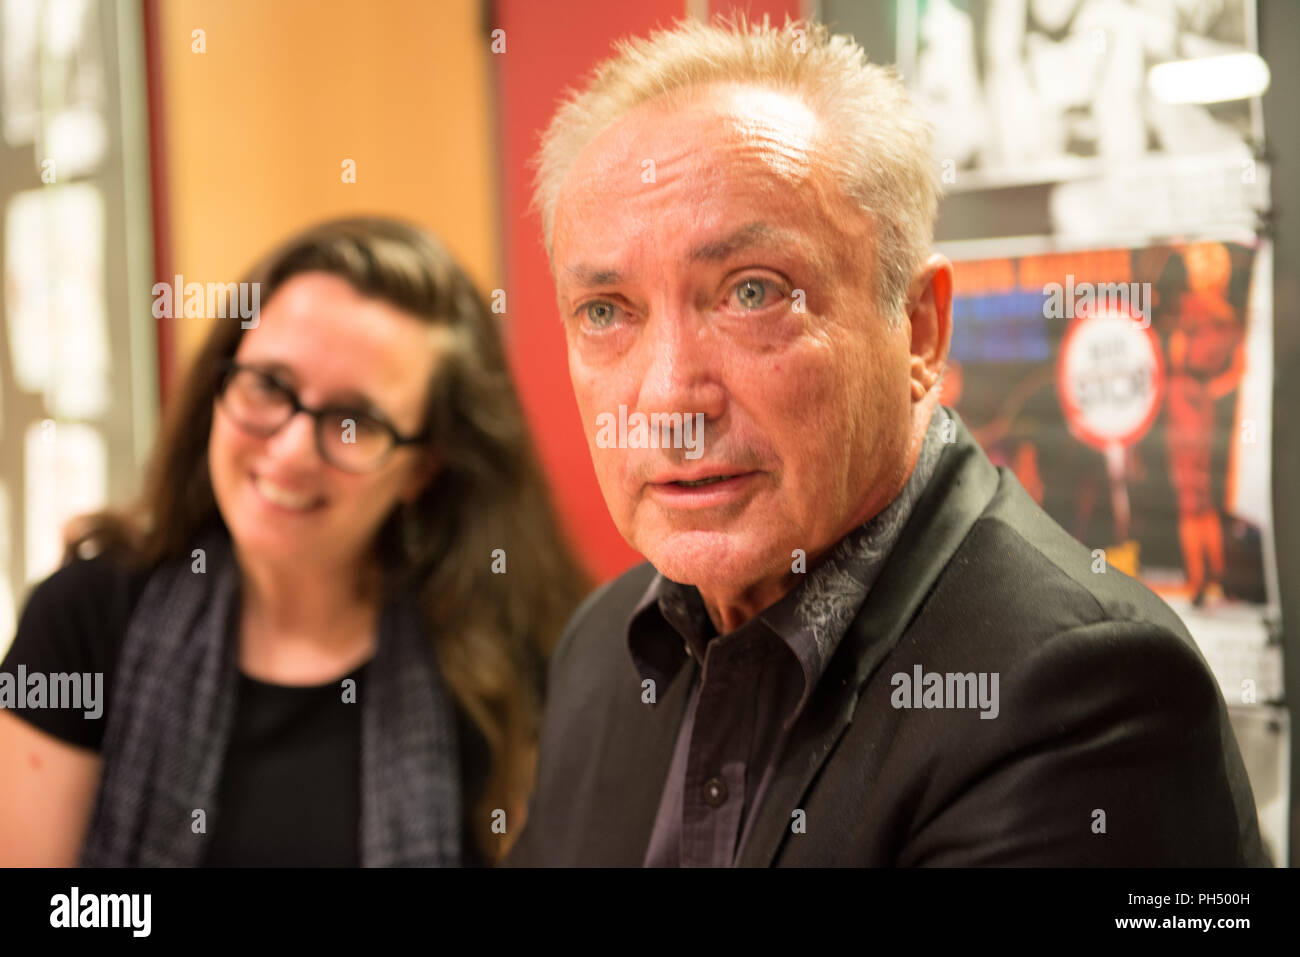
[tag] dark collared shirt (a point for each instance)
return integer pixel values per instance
(755, 680)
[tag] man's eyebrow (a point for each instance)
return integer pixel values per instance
(751, 234)
(584, 274)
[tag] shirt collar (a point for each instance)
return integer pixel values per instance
(670, 621)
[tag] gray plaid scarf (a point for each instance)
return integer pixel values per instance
(174, 701)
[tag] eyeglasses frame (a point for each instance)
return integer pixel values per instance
(229, 368)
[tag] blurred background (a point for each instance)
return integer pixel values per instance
(1148, 145)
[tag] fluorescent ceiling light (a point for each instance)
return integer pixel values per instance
(1211, 79)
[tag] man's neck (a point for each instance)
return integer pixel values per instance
(733, 611)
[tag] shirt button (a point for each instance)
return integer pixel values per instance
(715, 792)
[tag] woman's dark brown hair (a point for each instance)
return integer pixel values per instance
(492, 632)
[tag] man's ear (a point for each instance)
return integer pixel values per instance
(929, 311)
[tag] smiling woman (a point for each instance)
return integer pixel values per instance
(308, 657)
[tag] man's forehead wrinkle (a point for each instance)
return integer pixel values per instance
(738, 160)
(787, 148)
(622, 173)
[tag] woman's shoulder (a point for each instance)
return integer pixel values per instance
(74, 622)
(86, 595)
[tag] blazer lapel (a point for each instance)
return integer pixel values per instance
(962, 484)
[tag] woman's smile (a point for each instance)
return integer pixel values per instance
(283, 498)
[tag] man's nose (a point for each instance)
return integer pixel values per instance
(683, 367)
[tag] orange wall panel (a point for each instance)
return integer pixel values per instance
(256, 128)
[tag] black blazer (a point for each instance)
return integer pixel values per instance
(1109, 716)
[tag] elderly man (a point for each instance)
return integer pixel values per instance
(856, 641)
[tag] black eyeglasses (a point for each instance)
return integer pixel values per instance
(347, 438)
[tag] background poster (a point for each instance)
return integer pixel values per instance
(1183, 503)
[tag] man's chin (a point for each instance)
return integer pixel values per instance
(711, 560)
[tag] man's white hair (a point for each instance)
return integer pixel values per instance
(881, 146)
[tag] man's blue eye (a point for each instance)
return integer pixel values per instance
(752, 293)
(600, 313)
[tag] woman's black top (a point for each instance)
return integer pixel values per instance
(290, 791)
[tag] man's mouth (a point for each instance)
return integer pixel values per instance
(704, 492)
(711, 480)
